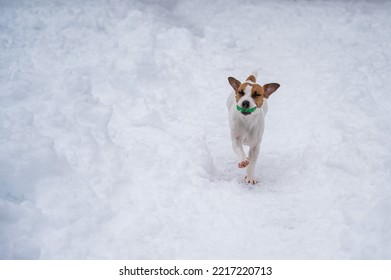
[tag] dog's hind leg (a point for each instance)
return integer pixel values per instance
(253, 156)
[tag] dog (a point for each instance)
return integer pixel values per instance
(247, 108)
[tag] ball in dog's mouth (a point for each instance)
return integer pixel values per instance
(245, 111)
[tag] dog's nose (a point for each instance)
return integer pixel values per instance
(246, 104)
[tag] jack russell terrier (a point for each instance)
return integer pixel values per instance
(247, 108)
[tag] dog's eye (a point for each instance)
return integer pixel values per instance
(241, 92)
(256, 93)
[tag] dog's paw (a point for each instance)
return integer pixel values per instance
(251, 181)
(243, 163)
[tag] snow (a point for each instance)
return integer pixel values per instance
(114, 139)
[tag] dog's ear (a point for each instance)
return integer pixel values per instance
(234, 83)
(270, 88)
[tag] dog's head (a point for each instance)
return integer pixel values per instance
(250, 95)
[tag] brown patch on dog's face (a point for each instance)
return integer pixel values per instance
(240, 92)
(257, 94)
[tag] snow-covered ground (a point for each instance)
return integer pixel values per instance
(114, 139)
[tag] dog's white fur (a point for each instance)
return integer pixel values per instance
(246, 129)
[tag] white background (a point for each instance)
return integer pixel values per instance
(103, 270)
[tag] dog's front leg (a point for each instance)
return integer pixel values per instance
(253, 156)
(237, 146)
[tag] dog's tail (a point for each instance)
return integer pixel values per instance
(253, 76)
